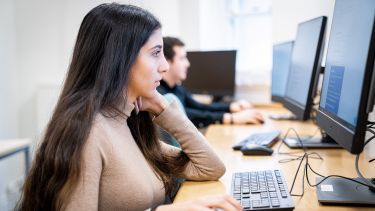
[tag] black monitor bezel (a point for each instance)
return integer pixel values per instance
(349, 137)
(279, 98)
(220, 93)
(300, 111)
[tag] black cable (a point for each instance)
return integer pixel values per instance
(298, 157)
(308, 166)
(370, 183)
(294, 179)
(287, 160)
(370, 124)
(283, 141)
(305, 173)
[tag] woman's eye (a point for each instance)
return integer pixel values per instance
(156, 53)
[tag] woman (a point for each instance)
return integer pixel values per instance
(100, 150)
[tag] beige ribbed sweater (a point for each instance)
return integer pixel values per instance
(116, 175)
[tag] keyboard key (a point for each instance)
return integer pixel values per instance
(273, 195)
(257, 190)
(264, 195)
(283, 194)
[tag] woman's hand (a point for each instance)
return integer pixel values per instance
(223, 202)
(154, 104)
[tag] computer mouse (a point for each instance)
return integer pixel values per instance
(255, 149)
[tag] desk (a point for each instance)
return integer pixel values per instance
(222, 137)
(10, 147)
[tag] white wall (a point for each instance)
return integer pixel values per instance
(12, 167)
(8, 74)
(189, 23)
(288, 13)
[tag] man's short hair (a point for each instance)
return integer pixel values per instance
(169, 43)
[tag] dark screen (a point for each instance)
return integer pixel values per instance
(211, 72)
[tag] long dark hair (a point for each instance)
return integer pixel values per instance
(109, 40)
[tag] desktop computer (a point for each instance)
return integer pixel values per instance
(303, 78)
(305, 67)
(212, 72)
(282, 54)
(347, 98)
(348, 93)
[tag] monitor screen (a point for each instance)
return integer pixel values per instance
(211, 72)
(348, 72)
(282, 54)
(305, 67)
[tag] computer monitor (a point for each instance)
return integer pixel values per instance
(344, 107)
(282, 54)
(346, 92)
(211, 72)
(305, 67)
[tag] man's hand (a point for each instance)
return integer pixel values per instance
(239, 105)
(249, 116)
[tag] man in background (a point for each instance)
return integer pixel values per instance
(200, 114)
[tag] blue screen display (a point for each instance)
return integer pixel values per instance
(346, 58)
(303, 58)
(282, 54)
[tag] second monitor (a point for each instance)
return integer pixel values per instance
(305, 67)
(303, 78)
(281, 56)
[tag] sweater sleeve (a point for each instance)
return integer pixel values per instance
(86, 194)
(204, 164)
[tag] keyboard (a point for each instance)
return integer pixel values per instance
(261, 190)
(266, 139)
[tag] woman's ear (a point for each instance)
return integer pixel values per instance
(136, 107)
(138, 104)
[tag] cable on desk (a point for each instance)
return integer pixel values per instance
(371, 124)
(307, 166)
(298, 157)
(368, 182)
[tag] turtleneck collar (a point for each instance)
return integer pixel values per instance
(128, 108)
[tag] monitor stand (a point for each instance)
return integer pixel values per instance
(325, 142)
(339, 191)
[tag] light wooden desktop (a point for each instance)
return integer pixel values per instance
(222, 137)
